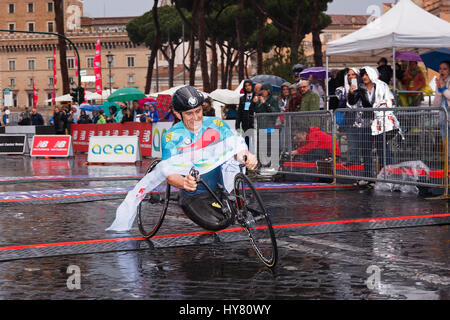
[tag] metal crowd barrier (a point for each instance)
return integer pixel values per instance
(414, 153)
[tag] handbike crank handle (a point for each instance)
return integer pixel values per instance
(194, 172)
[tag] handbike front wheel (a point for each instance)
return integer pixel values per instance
(152, 209)
(252, 215)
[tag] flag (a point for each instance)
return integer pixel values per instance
(35, 96)
(84, 85)
(76, 64)
(55, 77)
(98, 67)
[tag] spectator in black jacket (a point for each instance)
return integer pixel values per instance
(25, 118)
(36, 118)
(60, 120)
(246, 109)
(384, 70)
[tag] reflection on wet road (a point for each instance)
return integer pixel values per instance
(398, 263)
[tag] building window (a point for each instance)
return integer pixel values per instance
(50, 26)
(131, 78)
(70, 63)
(130, 61)
(31, 26)
(31, 64)
(50, 64)
(90, 62)
(30, 99)
(12, 83)
(12, 65)
(11, 26)
(30, 82)
(50, 81)
(49, 6)
(31, 7)
(49, 97)
(11, 8)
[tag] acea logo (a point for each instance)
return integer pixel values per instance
(116, 149)
(157, 139)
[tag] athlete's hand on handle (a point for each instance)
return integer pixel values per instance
(189, 183)
(251, 161)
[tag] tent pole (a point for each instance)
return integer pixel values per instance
(326, 83)
(394, 79)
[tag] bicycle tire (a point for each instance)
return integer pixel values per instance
(255, 220)
(152, 209)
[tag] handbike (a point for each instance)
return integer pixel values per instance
(244, 206)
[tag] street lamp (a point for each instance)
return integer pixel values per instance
(109, 58)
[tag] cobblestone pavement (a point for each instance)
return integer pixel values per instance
(400, 263)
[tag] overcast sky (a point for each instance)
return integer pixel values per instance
(121, 8)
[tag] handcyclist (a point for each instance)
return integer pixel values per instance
(195, 132)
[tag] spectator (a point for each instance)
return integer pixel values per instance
(71, 117)
(208, 110)
(295, 98)
(36, 118)
(337, 80)
(112, 114)
(136, 112)
(149, 114)
(95, 115)
(84, 118)
(442, 97)
(314, 144)
(230, 113)
(267, 104)
(353, 123)
(374, 93)
(310, 99)
(246, 109)
(384, 70)
(25, 118)
(258, 87)
(317, 88)
(6, 114)
(127, 116)
(169, 115)
(283, 98)
(414, 80)
(60, 121)
(101, 117)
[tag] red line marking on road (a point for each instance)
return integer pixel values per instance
(179, 235)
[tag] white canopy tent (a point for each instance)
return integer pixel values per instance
(64, 98)
(406, 26)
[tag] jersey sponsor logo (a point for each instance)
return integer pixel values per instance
(208, 137)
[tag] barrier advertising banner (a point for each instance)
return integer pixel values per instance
(114, 149)
(51, 146)
(158, 131)
(81, 134)
(13, 144)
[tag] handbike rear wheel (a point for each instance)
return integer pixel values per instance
(255, 220)
(152, 209)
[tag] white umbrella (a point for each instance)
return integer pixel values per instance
(95, 96)
(171, 91)
(225, 96)
(66, 97)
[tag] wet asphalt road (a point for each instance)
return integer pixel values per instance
(410, 263)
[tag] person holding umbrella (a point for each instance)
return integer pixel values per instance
(414, 80)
